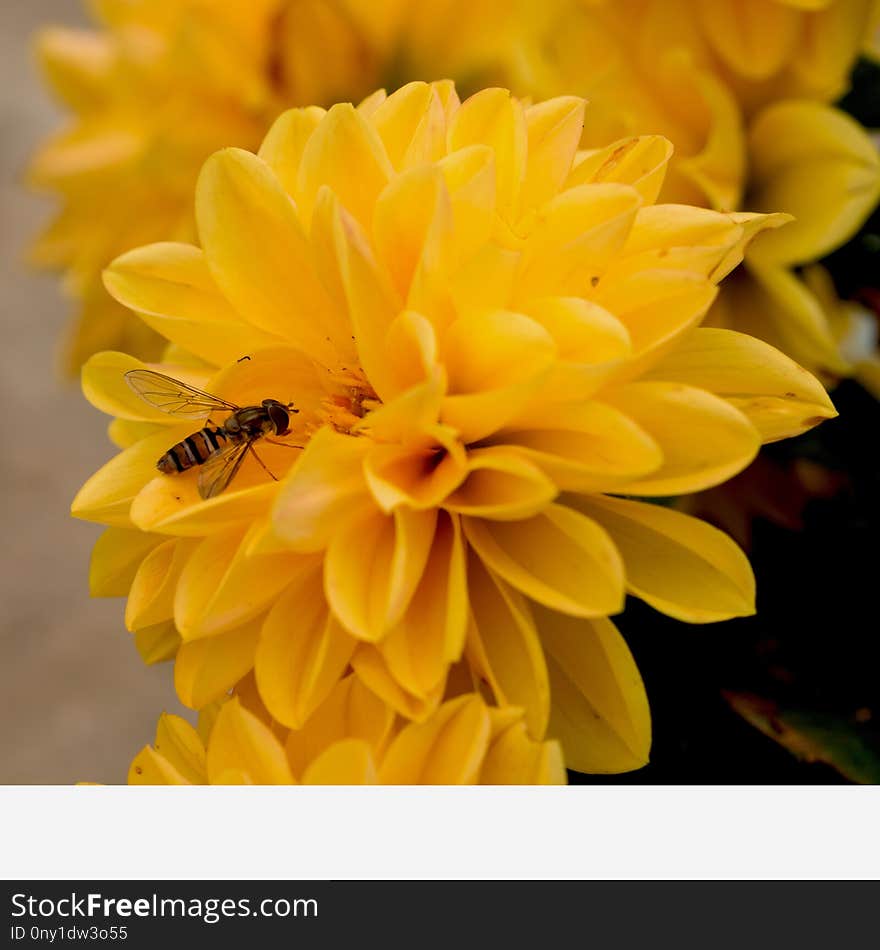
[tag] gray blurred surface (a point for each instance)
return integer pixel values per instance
(77, 703)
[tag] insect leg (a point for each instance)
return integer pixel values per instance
(284, 445)
(252, 450)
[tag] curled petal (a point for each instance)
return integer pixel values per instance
(501, 486)
(421, 476)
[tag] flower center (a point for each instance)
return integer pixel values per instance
(351, 398)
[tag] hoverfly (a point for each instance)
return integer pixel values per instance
(219, 450)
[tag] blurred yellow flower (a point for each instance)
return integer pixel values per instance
(352, 739)
(742, 88)
(161, 84)
(487, 335)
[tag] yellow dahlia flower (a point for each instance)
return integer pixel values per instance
(352, 739)
(742, 89)
(489, 338)
(161, 84)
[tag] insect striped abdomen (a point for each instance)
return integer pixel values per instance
(193, 450)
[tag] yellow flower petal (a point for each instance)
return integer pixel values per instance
(469, 174)
(369, 603)
(343, 140)
(656, 307)
(206, 669)
(793, 146)
(173, 505)
(559, 558)
(780, 398)
(575, 237)
(116, 557)
(349, 762)
(241, 746)
(151, 598)
(285, 142)
(678, 564)
(411, 348)
(586, 447)
(158, 643)
(554, 130)
(430, 636)
(350, 711)
(241, 206)
(413, 232)
(514, 758)
(503, 647)
(704, 439)
(157, 284)
(412, 125)
(419, 475)
(640, 162)
(370, 667)
(773, 304)
(149, 768)
(222, 586)
(361, 287)
(76, 63)
(302, 653)
(678, 237)
(493, 118)
(107, 496)
(326, 482)
(105, 387)
(495, 361)
(179, 744)
(502, 486)
(754, 38)
(447, 750)
(600, 711)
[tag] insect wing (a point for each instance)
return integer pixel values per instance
(174, 397)
(219, 470)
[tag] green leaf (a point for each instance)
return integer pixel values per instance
(847, 745)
